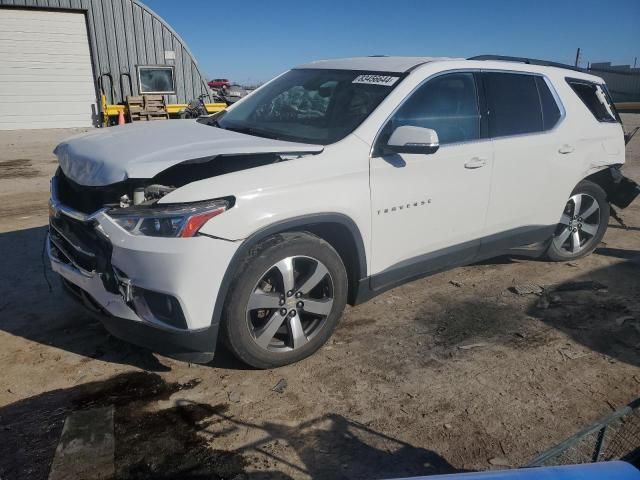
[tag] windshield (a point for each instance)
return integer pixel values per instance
(310, 105)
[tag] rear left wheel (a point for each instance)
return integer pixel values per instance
(582, 225)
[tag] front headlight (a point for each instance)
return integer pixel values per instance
(183, 220)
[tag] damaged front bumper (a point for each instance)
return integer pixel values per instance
(159, 293)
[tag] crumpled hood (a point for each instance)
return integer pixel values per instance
(142, 150)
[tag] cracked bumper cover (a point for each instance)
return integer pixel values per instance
(621, 191)
(191, 270)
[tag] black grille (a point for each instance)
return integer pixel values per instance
(76, 240)
(78, 243)
(66, 250)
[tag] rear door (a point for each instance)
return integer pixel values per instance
(523, 114)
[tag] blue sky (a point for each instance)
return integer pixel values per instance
(251, 41)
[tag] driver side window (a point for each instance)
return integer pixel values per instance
(447, 104)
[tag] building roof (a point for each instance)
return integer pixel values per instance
(373, 64)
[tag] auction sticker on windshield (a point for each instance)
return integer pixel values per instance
(385, 80)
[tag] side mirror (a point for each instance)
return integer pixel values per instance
(410, 139)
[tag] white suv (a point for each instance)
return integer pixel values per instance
(332, 183)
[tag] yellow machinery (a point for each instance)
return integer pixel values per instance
(113, 110)
(631, 107)
(175, 108)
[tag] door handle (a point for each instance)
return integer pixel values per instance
(566, 148)
(476, 162)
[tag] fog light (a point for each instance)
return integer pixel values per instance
(155, 306)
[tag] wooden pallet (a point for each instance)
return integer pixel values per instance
(147, 108)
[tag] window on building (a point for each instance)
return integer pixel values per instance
(514, 104)
(447, 104)
(156, 79)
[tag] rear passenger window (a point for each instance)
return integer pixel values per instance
(595, 98)
(550, 110)
(514, 104)
(447, 104)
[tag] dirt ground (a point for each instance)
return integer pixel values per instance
(453, 372)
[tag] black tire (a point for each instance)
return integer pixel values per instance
(238, 331)
(592, 192)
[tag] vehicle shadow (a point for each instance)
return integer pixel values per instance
(34, 306)
(175, 442)
(598, 310)
(633, 255)
(627, 228)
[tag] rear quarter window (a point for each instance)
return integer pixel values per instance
(595, 98)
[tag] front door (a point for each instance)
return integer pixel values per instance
(428, 210)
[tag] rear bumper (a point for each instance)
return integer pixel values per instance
(624, 193)
(621, 191)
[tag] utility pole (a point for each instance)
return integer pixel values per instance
(577, 57)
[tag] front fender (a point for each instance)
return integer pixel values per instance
(282, 226)
(334, 181)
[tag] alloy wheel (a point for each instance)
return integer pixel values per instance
(579, 224)
(290, 303)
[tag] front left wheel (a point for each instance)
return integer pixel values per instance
(286, 301)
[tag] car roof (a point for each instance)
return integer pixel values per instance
(405, 64)
(373, 64)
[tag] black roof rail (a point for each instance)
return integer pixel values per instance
(530, 61)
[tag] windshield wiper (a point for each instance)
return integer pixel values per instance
(212, 120)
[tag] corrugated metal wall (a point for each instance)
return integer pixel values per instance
(126, 33)
(622, 80)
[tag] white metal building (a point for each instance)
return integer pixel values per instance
(46, 79)
(58, 56)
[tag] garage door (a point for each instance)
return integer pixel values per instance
(46, 79)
